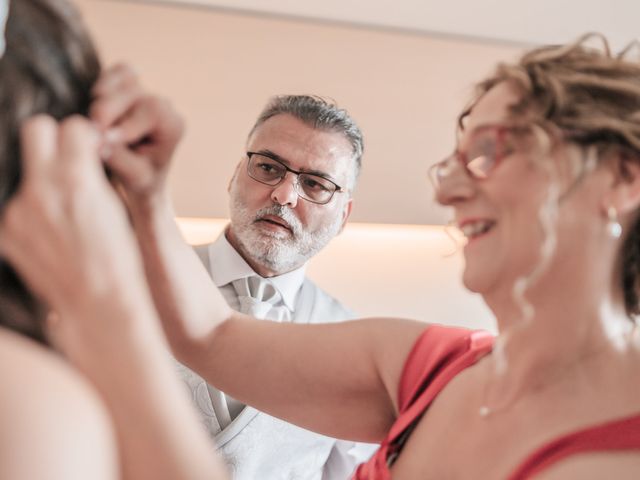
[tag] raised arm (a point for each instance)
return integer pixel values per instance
(339, 379)
(143, 132)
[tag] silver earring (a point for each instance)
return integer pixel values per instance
(613, 225)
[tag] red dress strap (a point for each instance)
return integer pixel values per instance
(438, 355)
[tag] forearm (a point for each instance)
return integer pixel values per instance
(297, 373)
(189, 304)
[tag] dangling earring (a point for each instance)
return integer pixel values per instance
(613, 225)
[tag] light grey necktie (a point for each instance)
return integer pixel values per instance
(259, 298)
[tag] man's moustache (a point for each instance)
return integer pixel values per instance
(284, 213)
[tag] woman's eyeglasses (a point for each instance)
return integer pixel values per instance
(486, 148)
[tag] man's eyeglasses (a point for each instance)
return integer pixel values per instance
(265, 169)
(487, 147)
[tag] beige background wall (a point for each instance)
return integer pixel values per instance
(522, 22)
(219, 68)
(405, 90)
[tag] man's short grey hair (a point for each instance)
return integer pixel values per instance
(318, 113)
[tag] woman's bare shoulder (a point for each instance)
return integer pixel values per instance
(53, 423)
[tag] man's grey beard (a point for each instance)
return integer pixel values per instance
(280, 252)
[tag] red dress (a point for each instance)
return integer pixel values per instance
(439, 354)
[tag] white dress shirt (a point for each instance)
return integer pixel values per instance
(254, 444)
(226, 265)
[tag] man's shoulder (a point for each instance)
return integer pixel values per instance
(326, 303)
(202, 250)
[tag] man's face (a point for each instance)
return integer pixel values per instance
(273, 229)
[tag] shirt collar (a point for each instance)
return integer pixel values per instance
(227, 265)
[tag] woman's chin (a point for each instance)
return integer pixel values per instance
(476, 281)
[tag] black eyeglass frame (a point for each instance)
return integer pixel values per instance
(297, 173)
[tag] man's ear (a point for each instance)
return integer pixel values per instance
(346, 211)
(233, 177)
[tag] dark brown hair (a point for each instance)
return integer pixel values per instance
(49, 66)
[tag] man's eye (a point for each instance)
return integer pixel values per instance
(314, 184)
(267, 167)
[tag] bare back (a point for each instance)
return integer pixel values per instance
(53, 425)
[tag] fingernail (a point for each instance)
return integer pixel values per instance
(105, 152)
(113, 135)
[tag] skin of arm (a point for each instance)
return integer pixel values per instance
(290, 371)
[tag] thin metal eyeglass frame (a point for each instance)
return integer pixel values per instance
(297, 182)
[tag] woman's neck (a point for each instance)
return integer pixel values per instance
(553, 333)
(517, 369)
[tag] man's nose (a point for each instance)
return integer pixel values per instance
(286, 193)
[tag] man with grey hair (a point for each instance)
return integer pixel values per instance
(289, 196)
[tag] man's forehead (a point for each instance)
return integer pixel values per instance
(301, 146)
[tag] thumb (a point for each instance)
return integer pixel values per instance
(134, 172)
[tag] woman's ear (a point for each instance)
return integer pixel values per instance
(625, 191)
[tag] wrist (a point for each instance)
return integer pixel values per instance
(149, 214)
(144, 207)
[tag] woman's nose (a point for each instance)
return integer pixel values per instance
(451, 182)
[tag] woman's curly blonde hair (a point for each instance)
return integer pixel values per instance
(592, 98)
